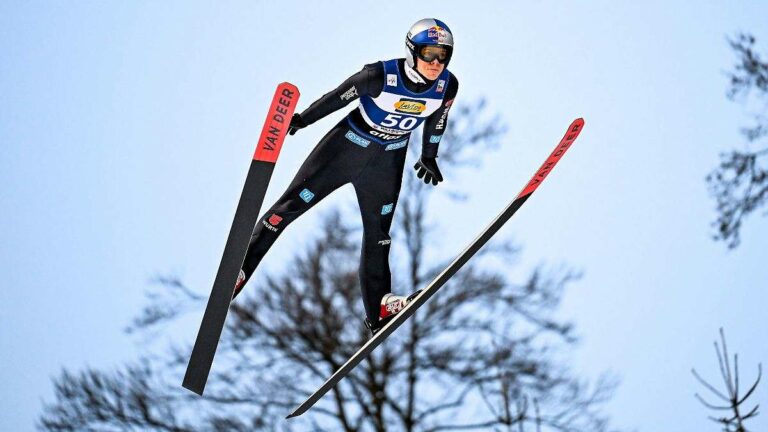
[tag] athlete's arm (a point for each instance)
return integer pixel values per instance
(435, 124)
(434, 127)
(368, 81)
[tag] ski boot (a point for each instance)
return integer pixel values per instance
(391, 305)
(239, 284)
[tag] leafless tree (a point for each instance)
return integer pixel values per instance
(485, 353)
(740, 183)
(733, 401)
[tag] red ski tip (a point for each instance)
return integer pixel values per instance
(570, 136)
(276, 125)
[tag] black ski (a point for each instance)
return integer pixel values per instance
(246, 217)
(442, 278)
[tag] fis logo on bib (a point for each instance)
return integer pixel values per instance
(410, 106)
(440, 86)
(392, 80)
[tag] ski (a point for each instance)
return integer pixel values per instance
(246, 216)
(570, 136)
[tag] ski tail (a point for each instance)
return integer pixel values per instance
(570, 136)
(260, 172)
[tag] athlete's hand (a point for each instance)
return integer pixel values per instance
(428, 170)
(296, 123)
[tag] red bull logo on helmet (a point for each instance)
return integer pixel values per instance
(437, 34)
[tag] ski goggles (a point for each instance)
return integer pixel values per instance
(428, 53)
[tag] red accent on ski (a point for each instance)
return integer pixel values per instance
(276, 124)
(565, 143)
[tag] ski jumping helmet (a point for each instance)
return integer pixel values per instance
(425, 33)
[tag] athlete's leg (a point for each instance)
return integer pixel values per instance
(332, 163)
(377, 188)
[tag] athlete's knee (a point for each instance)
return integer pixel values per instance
(383, 242)
(375, 239)
(376, 227)
(288, 210)
(276, 221)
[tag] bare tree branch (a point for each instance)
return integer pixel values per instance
(733, 402)
(740, 183)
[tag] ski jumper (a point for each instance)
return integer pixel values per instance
(366, 148)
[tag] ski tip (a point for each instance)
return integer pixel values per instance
(576, 126)
(291, 415)
(291, 86)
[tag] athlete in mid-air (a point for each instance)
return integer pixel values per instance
(367, 148)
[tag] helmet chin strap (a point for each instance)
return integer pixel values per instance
(414, 75)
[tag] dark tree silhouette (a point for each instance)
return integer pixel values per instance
(482, 354)
(740, 183)
(732, 400)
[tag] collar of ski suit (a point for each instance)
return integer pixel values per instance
(413, 75)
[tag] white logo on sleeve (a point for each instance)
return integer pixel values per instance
(349, 94)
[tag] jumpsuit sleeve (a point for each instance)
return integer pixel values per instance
(435, 125)
(368, 81)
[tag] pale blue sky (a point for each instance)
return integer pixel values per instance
(126, 128)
